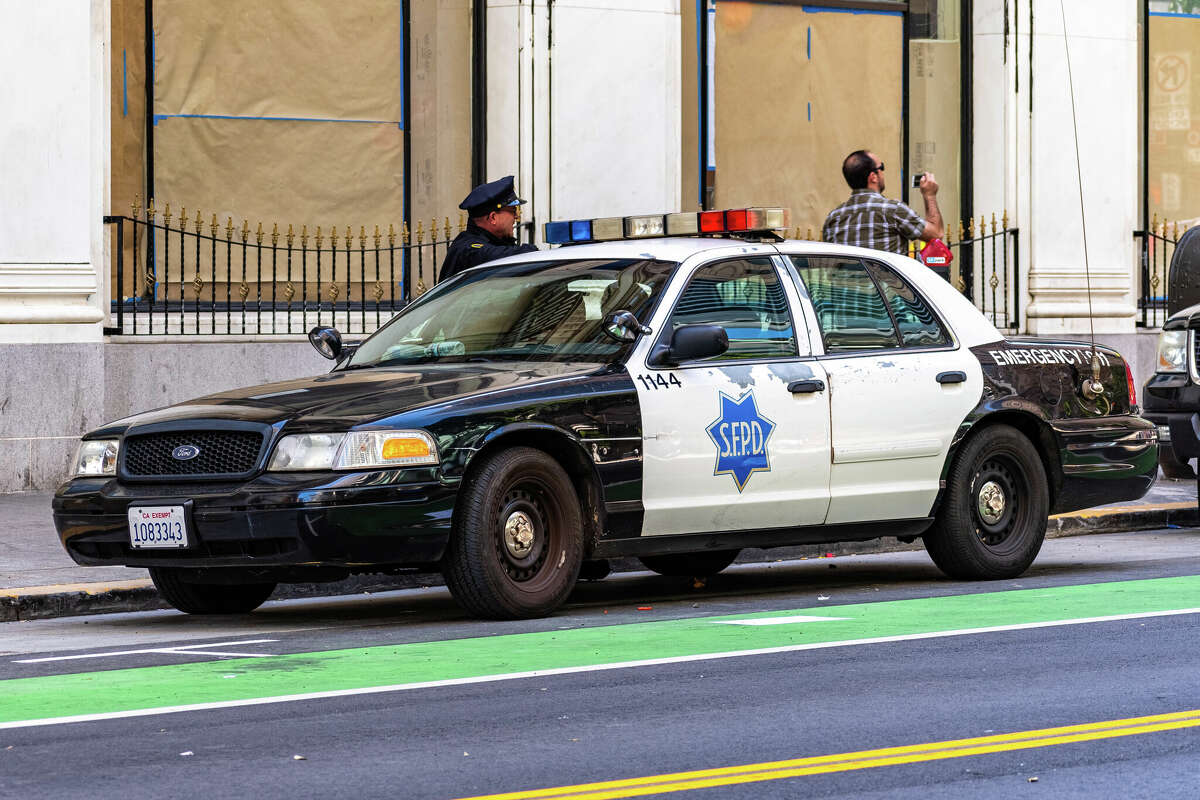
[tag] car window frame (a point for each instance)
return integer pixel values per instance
(663, 338)
(819, 339)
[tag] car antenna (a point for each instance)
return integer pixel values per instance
(1092, 388)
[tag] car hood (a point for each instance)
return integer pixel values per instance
(343, 399)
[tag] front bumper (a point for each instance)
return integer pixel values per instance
(355, 521)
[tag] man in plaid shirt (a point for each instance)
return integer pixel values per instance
(868, 219)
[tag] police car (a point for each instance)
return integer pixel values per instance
(672, 387)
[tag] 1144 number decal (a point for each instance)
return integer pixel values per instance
(660, 382)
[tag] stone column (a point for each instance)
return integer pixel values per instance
(1025, 154)
(54, 156)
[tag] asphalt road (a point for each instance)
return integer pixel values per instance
(840, 677)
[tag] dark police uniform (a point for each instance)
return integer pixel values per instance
(475, 246)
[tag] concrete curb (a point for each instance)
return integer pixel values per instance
(43, 602)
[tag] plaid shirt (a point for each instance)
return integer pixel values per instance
(868, 219)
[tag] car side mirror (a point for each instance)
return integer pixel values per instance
(622, 326)
(691, 343)
(327, 341)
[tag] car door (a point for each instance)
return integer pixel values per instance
(899, 387)
(738, 441)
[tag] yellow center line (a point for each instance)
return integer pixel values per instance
(862, 759)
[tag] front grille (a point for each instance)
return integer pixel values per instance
(252, 548)
(221, 453)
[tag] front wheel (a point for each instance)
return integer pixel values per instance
(993, 517)
(517, 543)
(208, 598)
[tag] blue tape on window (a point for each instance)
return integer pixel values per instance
(810, 43)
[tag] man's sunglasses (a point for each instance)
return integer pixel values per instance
(879, 168)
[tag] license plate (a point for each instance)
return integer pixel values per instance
(157, 526)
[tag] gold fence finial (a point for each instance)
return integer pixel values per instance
(391, 235)
(259, 233)
(377, 237)
(949, 235)
(982, 226)
(150, 211)
(432, 229)
(304, 236)
(183, 218)
(212, 227)
(229, 229)
(1154, 223)
(349, 237)
(274, 234)
(136, 208)
(420, 231)
(290, 236)
(333, 236)
(404, 236)
(1004, 221)
(362, 237)
(167, 215)
(462, 221)
(993, 222)
(447, 229)
(808, 234)
(199, 220)
(319, 237)
(961, 231)
(245, 229)
(970, 227)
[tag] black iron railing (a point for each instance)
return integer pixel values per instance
(173, 277)
(1154, 250)
(986, 269)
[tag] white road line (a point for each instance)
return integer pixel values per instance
(183, 649)
(541, 673)
(777, 620)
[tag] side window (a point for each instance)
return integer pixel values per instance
(849, 309)
(745, 297)
(916, 321)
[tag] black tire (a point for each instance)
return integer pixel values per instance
(517, 543)
(690, 565)
(973, 540)
(1174, 467)
(208, 598)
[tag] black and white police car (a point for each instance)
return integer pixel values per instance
(673, 387)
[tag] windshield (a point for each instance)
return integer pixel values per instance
(539, 311)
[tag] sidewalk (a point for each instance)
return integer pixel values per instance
(38, 579)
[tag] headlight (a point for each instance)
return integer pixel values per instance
(1172, 351)
(387, 449)
(97, 457)
(306, 451)
(356, 450)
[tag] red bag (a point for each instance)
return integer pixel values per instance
(935, 254)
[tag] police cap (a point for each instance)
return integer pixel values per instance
(490, 197)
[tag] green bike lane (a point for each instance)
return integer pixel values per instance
(115, 693)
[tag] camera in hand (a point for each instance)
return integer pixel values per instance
(917, 180)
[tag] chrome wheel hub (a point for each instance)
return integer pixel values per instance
(991, 502)
(518, 534)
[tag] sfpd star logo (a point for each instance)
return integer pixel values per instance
(741, 435)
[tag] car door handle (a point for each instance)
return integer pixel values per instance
(806, 387)
(952, 377)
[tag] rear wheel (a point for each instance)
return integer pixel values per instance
(517, 544)
(993, 517)
(690, 565)
(208, 598)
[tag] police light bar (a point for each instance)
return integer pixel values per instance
(689, 223)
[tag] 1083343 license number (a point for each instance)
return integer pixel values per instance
(157, 527)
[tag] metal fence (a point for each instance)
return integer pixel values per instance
(184, 275)
(176, 275)
(1155, 248)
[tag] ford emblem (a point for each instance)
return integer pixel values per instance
(185, 452)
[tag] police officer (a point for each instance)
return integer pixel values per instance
(492, 209)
